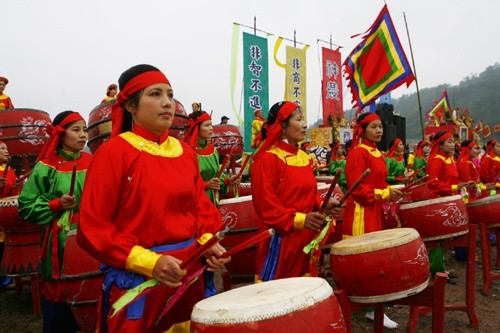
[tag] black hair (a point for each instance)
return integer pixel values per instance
(272, 116)
(465, 143)
(195, 115)
(60, 117)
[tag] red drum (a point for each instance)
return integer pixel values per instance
(380, 266)
(293, 305)
(81, 280)
(324, 179)
(99, 125)
(438, 218)
(22, 241)
(180, 121)
(24, 132)
(240, 220)
(225, 137)
(420, 193)
(243, 190)
(484, 210)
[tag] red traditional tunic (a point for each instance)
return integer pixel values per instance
(5, 102)
(284, 189)
(143, 191)
(363, 212)
(443, 169)
(490, 169)
(10, 180)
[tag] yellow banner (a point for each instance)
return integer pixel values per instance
(295, 81)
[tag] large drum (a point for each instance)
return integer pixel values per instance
(99, 125)
(22, 241)
(180, 121)
(240, 221)
(439, 218)
(81, 280)
(380, 266)
(286, 305)
(243, 190)
(24, 132)
(485, 211)
(224, 138)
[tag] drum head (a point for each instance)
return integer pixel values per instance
(261, 301)
(374, 241)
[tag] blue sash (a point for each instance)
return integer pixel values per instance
(271, 264)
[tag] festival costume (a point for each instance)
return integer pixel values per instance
(5, 102)
(108, 99)
(490, 169)
(208, 159)
(10, 180)
(363, 212)
(395, 169)
(335, 164)
(158, 199)
(283, 189)
(256, 127)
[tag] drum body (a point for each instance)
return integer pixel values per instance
(290, 305)
(224, 138)
(81, 281)
(439, 218)
(99, 125)
(24, 132)
(485, 210)
(22, 241)
(240, 221)
(380, 266)
(244, 189)
(180, 121)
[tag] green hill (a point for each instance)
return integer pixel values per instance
(480, 94)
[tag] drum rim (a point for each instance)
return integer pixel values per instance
(318, 291)
(422, 203)
(484, 200)
(235, 200)
(340, 250)
(391, 296)
(454, 234)
(12, 198)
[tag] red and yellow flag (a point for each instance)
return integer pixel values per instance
(486, 131)
(439, 108)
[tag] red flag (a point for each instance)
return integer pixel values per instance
(496, 128)
(487, 131)
(479, 126)
(439, 108)
(331, 91)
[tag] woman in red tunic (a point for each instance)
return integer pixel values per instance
(468, 171)
(489, 170)
(8, 179)
(284, 192)
(144, 209)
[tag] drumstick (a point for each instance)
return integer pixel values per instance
(223, 165)
(330, 190)
(245, 164)
(411, 188)
(249, 242)
(202, 249)
(416, 172)
(355, 186)
(23, 177)
(415, 182)
(73, 179)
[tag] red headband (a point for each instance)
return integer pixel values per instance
(273, 130)
(489, 148)
(393, 148)
(55, 133)
(465, 151)
(421, 145)
(191, 136)
(137, 83)
(358, 128)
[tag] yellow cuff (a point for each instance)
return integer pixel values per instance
(483, 187)
(142, 261)
(204, 238)
(497, 185)
(382, 194)
(299, 221)
(454, 188)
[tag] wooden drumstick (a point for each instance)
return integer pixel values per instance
(202, 249)
(355, 186)
(249, 242)
(411, 188)
(415, 182)
(330, 190)
(73, 180)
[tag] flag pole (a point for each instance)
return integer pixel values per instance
(416, 81)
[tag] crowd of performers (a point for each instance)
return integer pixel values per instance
(145, 201)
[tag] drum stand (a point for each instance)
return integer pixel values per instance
(432, 297)
(488, 274)
(35, 289)
(467, 240)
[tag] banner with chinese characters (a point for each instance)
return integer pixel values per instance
(295, 81)
(255, 81)
(331, 93)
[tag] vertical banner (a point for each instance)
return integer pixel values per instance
(331, 90)
(295, 81)
(255, 81)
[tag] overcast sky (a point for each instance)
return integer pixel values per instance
(62, 54)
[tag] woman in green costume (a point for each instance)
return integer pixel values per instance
(51, 198)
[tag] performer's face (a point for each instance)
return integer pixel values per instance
(74, 137)
(296, 130)
(447, 146)
(206, 130)
(474, 152)
(496, 148)
(2, 86)
(374, 131)
(4, 153)
(155, 110)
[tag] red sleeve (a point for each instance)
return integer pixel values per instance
(486, 170)
(356, 164)
(266, 173)
(436, 168)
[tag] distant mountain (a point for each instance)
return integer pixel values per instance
(480, 94)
